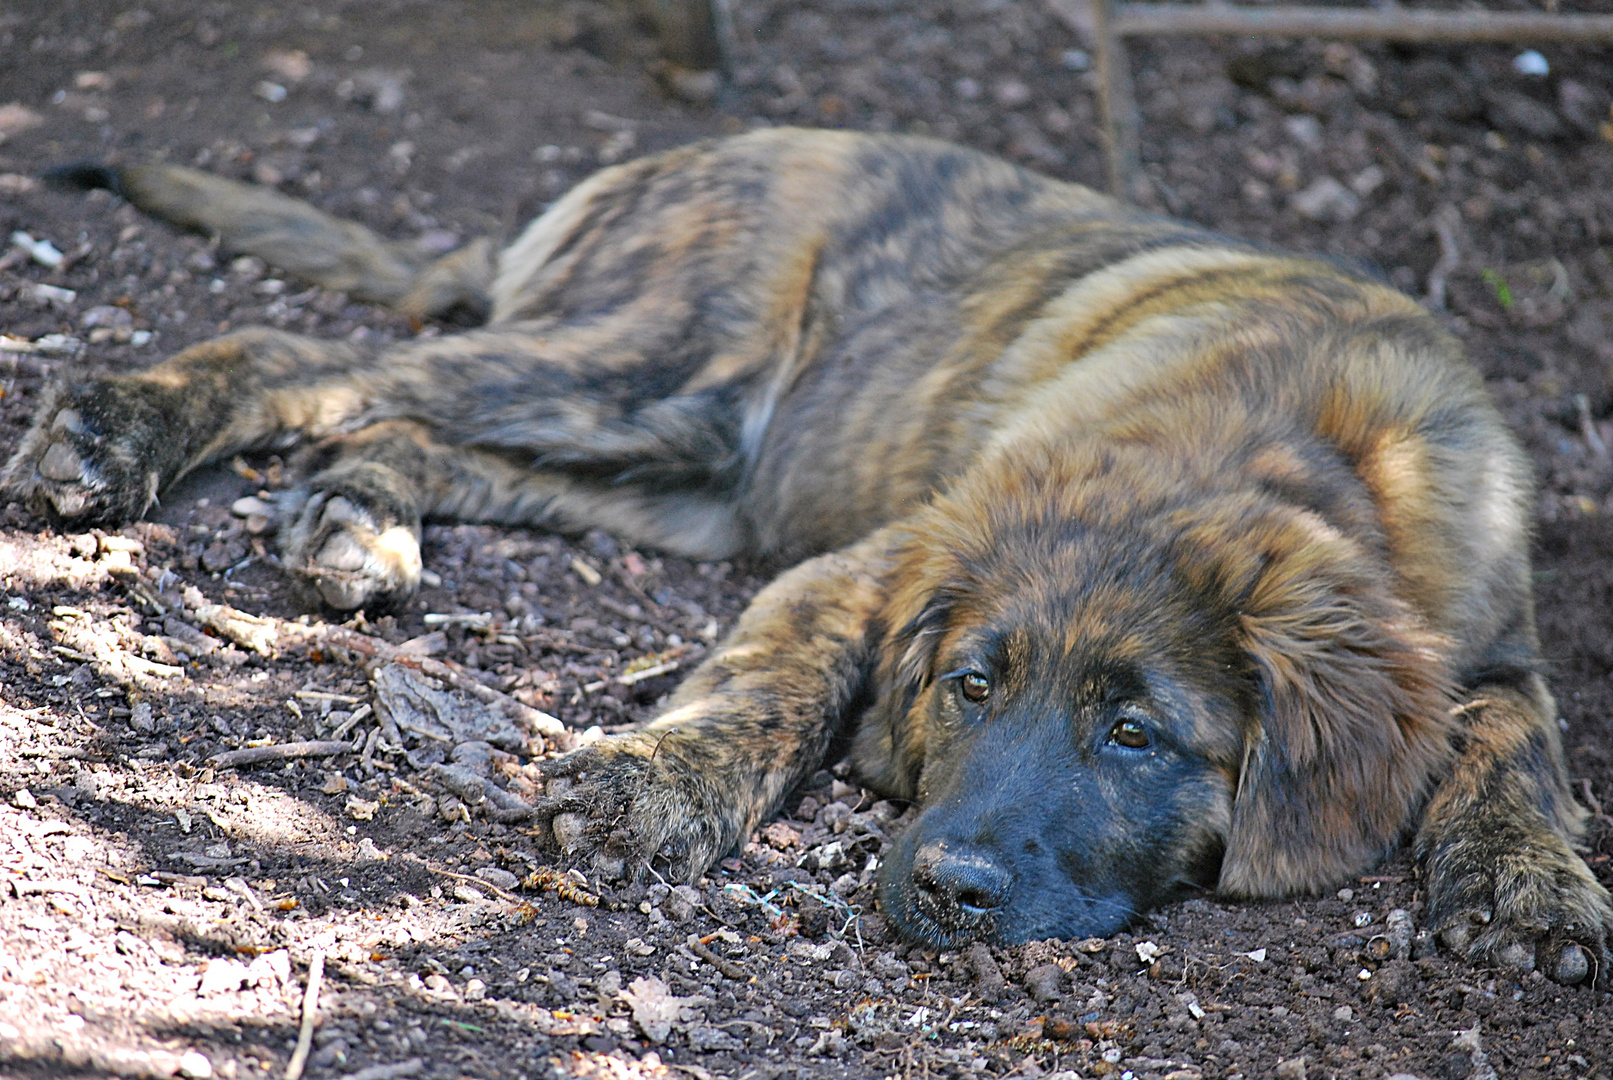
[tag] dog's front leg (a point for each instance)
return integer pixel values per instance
(1505, 886)
(745, 728)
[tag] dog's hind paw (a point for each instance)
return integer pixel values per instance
(631, 802)
(1525, 907)
(94, 456)
(355, 540)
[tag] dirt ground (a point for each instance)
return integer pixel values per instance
(159, 911)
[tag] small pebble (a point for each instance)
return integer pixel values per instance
(498, 876)
(1326, 200)
(1045, 982)
(1011, 93)
(1530, 62)
(42, 252)
(1397, 981)
(195, 1066)
(681, 903)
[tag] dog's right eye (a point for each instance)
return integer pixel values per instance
(1130, 732)
(975, 686)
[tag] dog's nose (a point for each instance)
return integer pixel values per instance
(959, 886)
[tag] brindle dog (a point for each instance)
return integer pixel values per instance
(1142, 559)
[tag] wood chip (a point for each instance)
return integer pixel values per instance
(589, 575)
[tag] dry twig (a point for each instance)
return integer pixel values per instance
(1450, 257)
(254, 755)
(310, 1011)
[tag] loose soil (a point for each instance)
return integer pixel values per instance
(159, 914)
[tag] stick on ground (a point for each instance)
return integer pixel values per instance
(254, 755)
(310, 1010)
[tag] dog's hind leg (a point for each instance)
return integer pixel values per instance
(100, 450)
(300, 240)
(741, 731)
(1505, 886)
(352, 532)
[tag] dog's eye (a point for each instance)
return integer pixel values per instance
(1129, 732)
(975, 686)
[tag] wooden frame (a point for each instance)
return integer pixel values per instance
(1112, 22)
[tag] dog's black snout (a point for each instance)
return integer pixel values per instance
(959, 886)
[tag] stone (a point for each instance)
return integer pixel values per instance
(988, 976)
(1396, 982)
(681, 903)
(498, 877)
(195, 1066)
(1045, 982)
(1326, 200)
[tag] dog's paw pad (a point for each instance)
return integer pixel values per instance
(353, 556)
(67, 470)
(1573, 964)
(342, 552)
(61, 463)
(1516, 956)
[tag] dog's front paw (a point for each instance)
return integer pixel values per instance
(95, 455)
(633, 801)
(355, 540)
(1523, 903)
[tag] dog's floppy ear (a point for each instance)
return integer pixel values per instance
(890, 747)
(1354, 722)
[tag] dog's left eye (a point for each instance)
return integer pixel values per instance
(975, 686)
(1130, 732)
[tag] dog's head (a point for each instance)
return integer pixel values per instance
(1102, 698)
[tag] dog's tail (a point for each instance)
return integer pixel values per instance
(303, 242)
(84, 176)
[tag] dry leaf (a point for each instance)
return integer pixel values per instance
(656, 1008)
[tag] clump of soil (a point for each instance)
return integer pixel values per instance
(161, 912)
